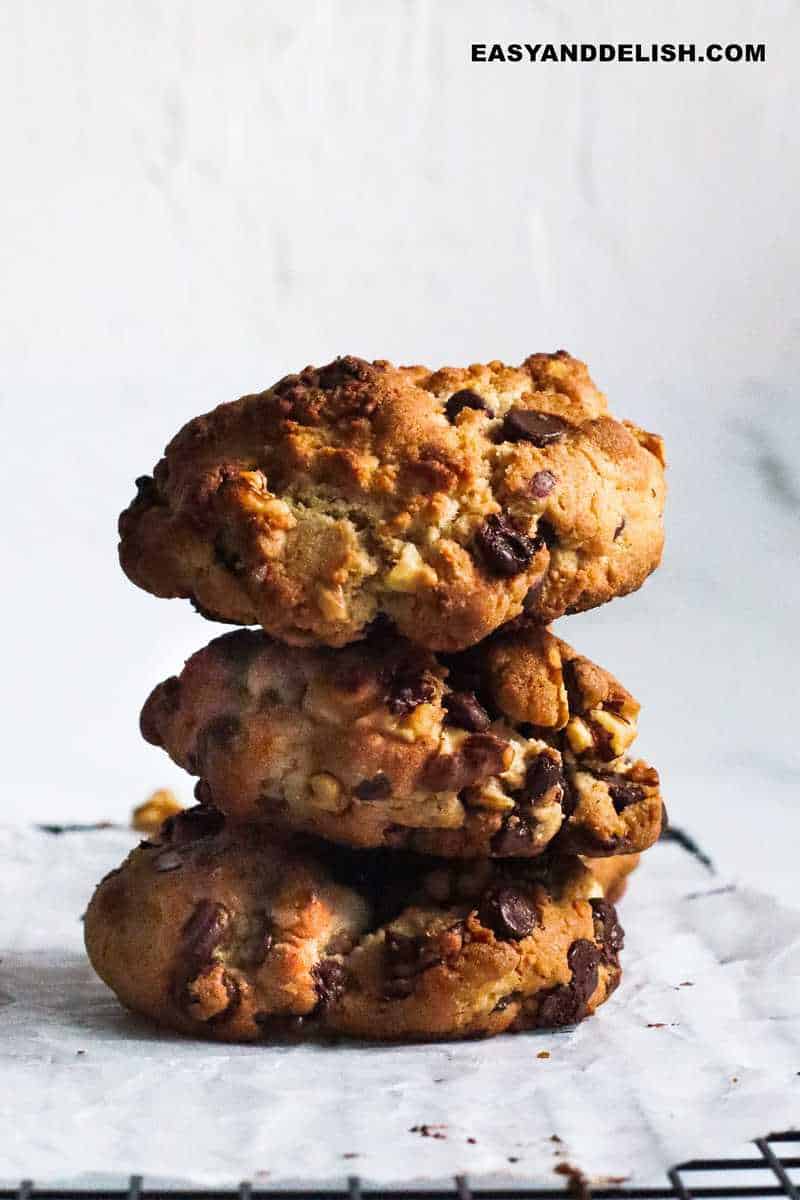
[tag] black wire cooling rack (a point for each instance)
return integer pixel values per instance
(712, 1179)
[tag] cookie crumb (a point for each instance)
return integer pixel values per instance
(543, 1054)
(472, 1141)
(430, 1131)
(350, 1154)
(512, 1158)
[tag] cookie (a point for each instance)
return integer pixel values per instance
(502, 750)
(613, 873)
(447, 501)
(218, 930)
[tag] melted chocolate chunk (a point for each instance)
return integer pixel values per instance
(530, 425)
(505, 551)
(465, 710)
(575, 699)
(545, 533)
(509, 913)
(478, 757)
(542, 774)
(542, 484)
(405, 958)
(608, 931)
(569, 798)
(515, 838)
(409, 688)
(379, 787)
(565, 1005)
(330, 979)
(205, 929)
(464, 399)
(623, 791)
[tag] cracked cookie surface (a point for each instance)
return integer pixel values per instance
(503, 750)
(448, 501)
(220, 930)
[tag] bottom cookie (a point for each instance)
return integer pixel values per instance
(225, 931)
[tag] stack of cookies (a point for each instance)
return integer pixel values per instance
(416, 804)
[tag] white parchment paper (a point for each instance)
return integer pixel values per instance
(698, 1052)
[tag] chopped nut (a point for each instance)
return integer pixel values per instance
(410, 572)
(327, 793)
(331, 603)
(620, 730)
(437, 810)
(422, 721)
(489, 795)
(151, 815)
(579, 736)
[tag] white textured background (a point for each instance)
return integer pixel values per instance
(198, 197)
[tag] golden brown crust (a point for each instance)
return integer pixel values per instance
(445, 500)
(503, 750)
(222, 932)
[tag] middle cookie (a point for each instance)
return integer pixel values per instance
(500, 751)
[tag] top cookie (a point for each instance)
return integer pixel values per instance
(448, 501)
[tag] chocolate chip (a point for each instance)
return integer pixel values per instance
(409, 688)
(530, 425)
(575, 698)
(583, 958)
(608, 931)
(623, 791)
(379, 787)
(170, 860)
(505, 551)
(478, 757)
(205, 929)
(619, 529)
(569, 798)
(509, 913)
(406, 957)
(515, 838)
(465, 710)
(329, 980)
(546, 533)
(464, 399)
(542, 774)
(542, 484)
(566, 1004)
